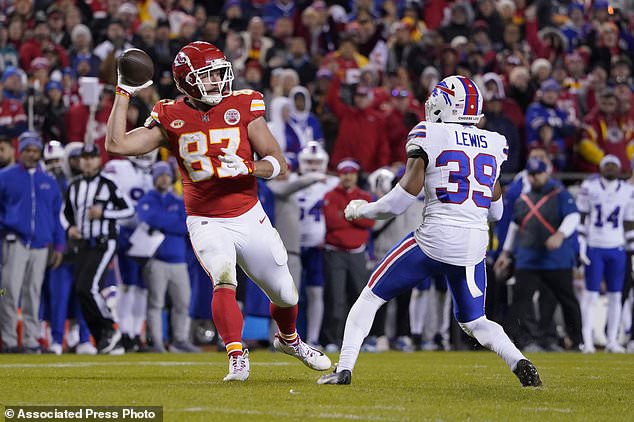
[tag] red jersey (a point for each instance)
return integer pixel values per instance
(195, 139)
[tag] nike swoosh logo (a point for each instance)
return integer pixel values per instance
(262, 220)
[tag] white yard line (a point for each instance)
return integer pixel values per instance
(547, 409)
(142, 363)
(275, 414)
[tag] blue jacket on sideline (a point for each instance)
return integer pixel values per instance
(166, 213)
(30, 204)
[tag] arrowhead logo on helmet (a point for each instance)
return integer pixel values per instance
(202, 72)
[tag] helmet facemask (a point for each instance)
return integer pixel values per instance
(212, 91)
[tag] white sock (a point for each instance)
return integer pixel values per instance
(492, 336)
(358, 327)
(614, 316)
(588, 300)
(124, 309)
(314, 312)
(417, 309)
(139, 310)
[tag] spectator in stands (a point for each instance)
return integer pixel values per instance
(345, 267)
(7, 152)
(166, 271)
(543, 239)
(460, 19)
(12, 116)
(606, 132)
(82, 50)
(307, 125)
(626, 101)
(26, 190)
(12, 82)
(36, 46)
(55, 110)
(8, 52)
(520, 89)
(496, 120)
(404, 51)
(400, 118)
(361, 129)
(278, 9)
(298, 59)
(545, 111)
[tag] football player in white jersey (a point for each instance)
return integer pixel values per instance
(312, 229)
(133, 176)
(606, 205)
(458, 165)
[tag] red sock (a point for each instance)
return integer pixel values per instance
(286, 319)
(228, 319)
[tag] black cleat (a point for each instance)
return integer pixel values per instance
(343, 377)
(527, 374)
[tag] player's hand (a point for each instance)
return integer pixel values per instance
(583, 257)
(74, 233)
(95, 212)
(233, 161)
(131, 90)
(55, 259)
(352, 211)
(502, 263)
(555, 241)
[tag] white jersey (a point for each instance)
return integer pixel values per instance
(607, 204)
(463, 166)
(312, 224)
(132, 181)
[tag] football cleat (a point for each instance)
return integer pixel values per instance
(527, 374)
(239, 367)
(311, 357)
(111, 339)
(614, 348)
(86, 348)
(343, 378)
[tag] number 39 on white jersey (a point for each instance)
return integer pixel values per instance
(464, 164)
(607, 206)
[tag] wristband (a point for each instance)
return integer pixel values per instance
(275, 164)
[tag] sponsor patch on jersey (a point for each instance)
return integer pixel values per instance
(257, 105)
(232, 116)
(177, 124)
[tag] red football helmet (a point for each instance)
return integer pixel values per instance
(196, 69)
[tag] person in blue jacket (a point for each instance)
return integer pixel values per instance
(30, 203)
(166, 271)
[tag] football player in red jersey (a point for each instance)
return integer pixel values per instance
(214, 132)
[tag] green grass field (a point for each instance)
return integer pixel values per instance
(421, 386)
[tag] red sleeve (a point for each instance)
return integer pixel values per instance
(254, 103)
(158, 111)
(333, 213)
(533, 38)
(338, 107)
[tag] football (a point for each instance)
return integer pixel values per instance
(135, 67)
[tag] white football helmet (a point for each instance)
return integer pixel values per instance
(455, 99)
(381, 181)
(54, 150)
(313, 158)
(145, 161)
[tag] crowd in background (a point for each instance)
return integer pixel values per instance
(352, 75)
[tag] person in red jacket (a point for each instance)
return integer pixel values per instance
(345, 263)
(362, 132)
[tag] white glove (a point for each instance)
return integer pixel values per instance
(132, 89)
(583, 251)
(352, 209)
(233, 161)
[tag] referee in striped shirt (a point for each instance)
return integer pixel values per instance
(93, 206)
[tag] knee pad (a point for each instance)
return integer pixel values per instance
(286, 295)
(221, 269)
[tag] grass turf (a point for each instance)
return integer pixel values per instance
(388, 386)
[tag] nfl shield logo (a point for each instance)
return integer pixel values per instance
(232, 116)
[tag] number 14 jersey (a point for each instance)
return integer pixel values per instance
(211, 189)
(464, 164)
(607, 204)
